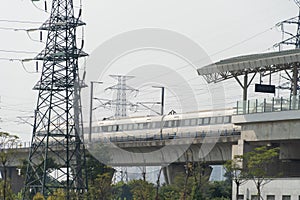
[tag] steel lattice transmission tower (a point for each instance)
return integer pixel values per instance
(121, 101)
(57, 143)
(293, 38)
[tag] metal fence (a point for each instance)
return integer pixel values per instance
(268, 105)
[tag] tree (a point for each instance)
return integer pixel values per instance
(121, 191)
(58, 194)
(169, 192)
(38, 196)
(9, 194)
(219, 189)
(256, 164)
(235, 172)
(7, 142)
(142, 190)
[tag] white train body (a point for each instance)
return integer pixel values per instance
(164, 127)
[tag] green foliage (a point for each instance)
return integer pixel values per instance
(141, 190)
(121, 191)
(59, 194)
(169, 192)
(95, 168)
(38, 196)
(7, 142)
(257, 161)
(102, 187)
(220, 189)
(9, 195)
(256, 164)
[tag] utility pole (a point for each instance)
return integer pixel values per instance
(162, 98)
(57, 139)
(91, 109)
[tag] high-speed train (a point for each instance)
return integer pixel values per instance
(197, 124)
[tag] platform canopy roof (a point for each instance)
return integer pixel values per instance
(262, 63)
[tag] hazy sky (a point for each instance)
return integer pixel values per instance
(222, 28)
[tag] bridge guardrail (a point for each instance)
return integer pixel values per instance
(158, 137)
(140, 138)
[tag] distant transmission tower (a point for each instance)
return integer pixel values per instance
(121, 103)
(292, 40)
(57, 144)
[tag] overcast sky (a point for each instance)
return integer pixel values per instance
(222, 28)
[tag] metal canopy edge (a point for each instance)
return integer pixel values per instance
(254, 63)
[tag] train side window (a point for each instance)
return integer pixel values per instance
(174, 123)
(135, 126)
(219, 120)
(186, 122)
(115, 128)
(86, 130)
(200, 121)
(104, 128)
(193, 122)
(227, 119)
(145, 125)
(109, 128)
(120, 127)
(166, 124)
(213, 120)
(157, 125)
(152, 125)
(206, 120)
(124, 127)
(130, 127)
(140, 126)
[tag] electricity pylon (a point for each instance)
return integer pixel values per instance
(57, 155)
(121, 101)
(292, 40)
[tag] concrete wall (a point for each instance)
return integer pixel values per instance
(17, 181)
(269, 126)
(276, 187)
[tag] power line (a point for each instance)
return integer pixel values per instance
(12, 29)
(19, 21)
(16, 51)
